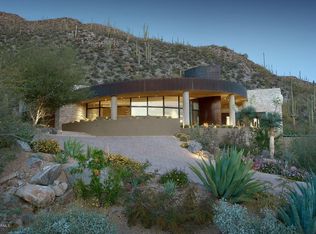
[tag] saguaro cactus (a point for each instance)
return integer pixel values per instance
(293, 107)
(147, 45)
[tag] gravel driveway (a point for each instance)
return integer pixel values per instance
(163, 152)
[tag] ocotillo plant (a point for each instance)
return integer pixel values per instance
(293, 107)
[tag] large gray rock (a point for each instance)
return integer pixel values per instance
(37, 195)
(59, 188)
(194, 146)
(34, 162)
(85, 176)
(48, 175)
(23, 146)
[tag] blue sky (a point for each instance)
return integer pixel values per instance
(285, 30)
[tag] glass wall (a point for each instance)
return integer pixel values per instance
(167, 106)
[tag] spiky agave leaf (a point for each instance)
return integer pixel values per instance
(300, 211)
(229, 177)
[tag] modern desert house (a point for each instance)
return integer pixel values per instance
(159, 105)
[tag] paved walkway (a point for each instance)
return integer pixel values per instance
(163, 152)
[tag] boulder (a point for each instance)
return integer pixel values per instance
(59, 188)
(194, 146)
(34, 161)
(85, 176)
(23, 146)
(48, 175)
(37, 195)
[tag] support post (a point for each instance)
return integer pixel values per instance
(114, 108)
(186, 108)
(232, 114)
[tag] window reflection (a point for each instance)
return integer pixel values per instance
(171, 112)
(139, 101)
(155, 111)
(139, 111)
(171, 102)
(155, 101)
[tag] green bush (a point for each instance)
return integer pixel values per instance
(94, 160)
(229, 178)
(61, 158)
(300, 211)
(73, 148)
(48, 146)
(304, 150)
(170, 213)
(132, 172)
(180, 178)
(235, 219)
(71, 221)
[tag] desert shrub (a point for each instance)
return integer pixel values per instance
(182, 136)
(170, 213)
(184, 145)
(180, 178)
(6, 155)
(132, 172)
(246, 115)
(235, 219)
(304, 150)
(74, 220)
(300, 210)
(207, 137)
(278, 167)
(61, 158)
(265, 200)
(229, 178)
(239, 139)
(46, 146)
(72, 148)
(106, 192)
(169, 188)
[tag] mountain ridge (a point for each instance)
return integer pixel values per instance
(110, 54)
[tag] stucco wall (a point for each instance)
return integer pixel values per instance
(265, 100)
(140, 126)
(69, 113)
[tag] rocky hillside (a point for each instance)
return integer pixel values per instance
(109, 54)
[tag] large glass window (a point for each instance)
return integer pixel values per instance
(139, 111)
(172, 113)
(168, 106)
(171, 102)
(155, 111)
(123, 102)
(155, 101)
(92, 114)
(93, 104)
(139, 101)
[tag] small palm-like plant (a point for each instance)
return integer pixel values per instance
(229, 177)
(300, 211)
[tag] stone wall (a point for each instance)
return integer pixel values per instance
(69, 113)
(265, 100)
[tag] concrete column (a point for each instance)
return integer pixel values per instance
(186, 108)
(114, 107)
(58, 124)
(232, 106)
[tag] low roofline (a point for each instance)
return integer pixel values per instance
(166, 84)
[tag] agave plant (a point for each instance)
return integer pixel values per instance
(300, 211)
(229, 177)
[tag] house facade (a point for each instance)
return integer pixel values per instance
(199, 97)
